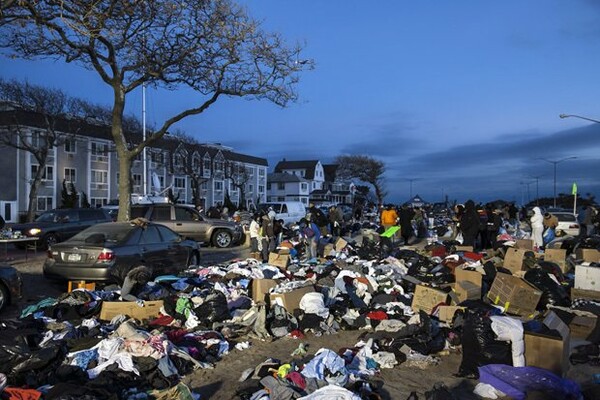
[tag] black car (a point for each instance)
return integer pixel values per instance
(11, 285)
(60, 224)
(106, 252)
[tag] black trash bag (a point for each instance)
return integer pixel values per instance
(552, 268)
(480, 346)
(552, 292)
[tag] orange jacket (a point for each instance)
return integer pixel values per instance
(389, 217)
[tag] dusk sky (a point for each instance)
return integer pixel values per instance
(463, 97)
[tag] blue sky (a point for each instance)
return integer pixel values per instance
(460, 96)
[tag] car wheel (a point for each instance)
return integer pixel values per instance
(221, 239)
(3, 296)
(194, 259)
(49, 240)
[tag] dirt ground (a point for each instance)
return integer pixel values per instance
(222, 381)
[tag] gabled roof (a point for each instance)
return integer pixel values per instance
(308, 166)
(284, 177)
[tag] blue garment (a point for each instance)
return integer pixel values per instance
(83, 358)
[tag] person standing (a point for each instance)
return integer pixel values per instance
(268, 234)
(588, 220)
(255, 240)
(537, 228)
(469, 224)
(406, 228)
(336, 219)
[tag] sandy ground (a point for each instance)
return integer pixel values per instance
(222, 381)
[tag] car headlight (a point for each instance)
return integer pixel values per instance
(35, 231)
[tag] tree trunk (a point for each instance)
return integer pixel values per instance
(125, 156)
(35, 185)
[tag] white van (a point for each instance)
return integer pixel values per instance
(289, 211)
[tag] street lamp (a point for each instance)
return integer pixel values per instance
(555, 162)
(411, 180)
(537, 189)
(578, 116)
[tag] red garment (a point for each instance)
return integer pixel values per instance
(12, 393)
(297, 334)
(163, 320)
(297, 379)
(377, 315)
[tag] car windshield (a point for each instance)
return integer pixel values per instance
(49, 216)
(103, 233)
(274, 206)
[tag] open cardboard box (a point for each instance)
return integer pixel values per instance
(132, 309)
(426, 298)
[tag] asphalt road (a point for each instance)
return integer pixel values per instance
(35, 288)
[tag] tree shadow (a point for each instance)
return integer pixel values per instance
(209, 391)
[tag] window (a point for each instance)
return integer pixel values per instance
(178, 161)
(304, 187)
(218, 186)
(70, 144)
(206, 167)
(261, 172)
(167, 234)
(150, 235)
(70, 175)
(204, 185)
(219, 165)
(157, 157)
(47, 175)
(250, 188)
(137, 179)
(99, 152)
(268, 186)
(196, 164)
(96, 202)
(185, 214)
(44, 203)
(280, 186)
(179, 183)
(261, 188)
(99, 180)
(161, 214)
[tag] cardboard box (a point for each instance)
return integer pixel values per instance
(584, 294)
(468, 284)
(580, 323)
(340, 244)
(81, 285)
(328, 250)
(464, 248)
(290, 300)
(513, 259)
(587, 277)
(516, 295)
(588, 255)
(524, 244)
(557, 256)
(548, 352)
(279, 260)
(111, 309)
(446, 313)
(426, 298)
(260, 288)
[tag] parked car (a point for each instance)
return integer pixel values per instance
(289, 211)
(106, 252)
(567, 222)
(58, 225)
(187, 221)
(11, 285)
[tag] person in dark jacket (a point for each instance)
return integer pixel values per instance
(493, 226)
(469, 224)
(405, 218)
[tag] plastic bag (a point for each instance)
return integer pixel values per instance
(480, 346)
(515, 382)
(552, 292)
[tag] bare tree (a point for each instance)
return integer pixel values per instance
(212, 47)
(239, 176)
(48, 107)
(364, 168)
